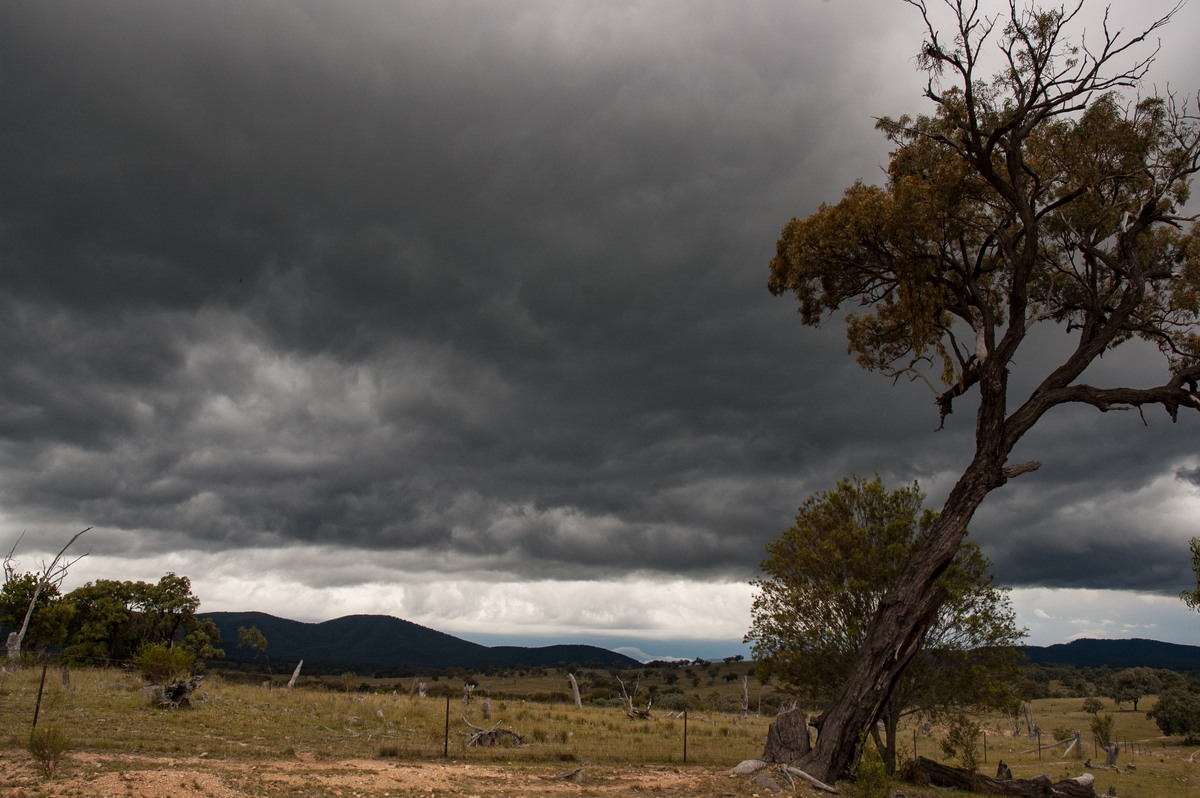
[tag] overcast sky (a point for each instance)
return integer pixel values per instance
(456, 311)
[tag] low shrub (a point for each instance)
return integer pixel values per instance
(871, 779)
(48, 745)
(160, 664)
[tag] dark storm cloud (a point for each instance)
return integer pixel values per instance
(471, 278)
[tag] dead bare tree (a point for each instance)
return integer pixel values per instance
(51, 574)
(631, 711)
(574, 689)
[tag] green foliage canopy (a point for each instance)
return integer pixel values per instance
(51, 614)
(1019, 201)
(1177, 711)
(113, 620)
(1132, 684)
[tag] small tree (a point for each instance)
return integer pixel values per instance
(1178, 712)
(962, 742)
(1102, 728)
(825, 577)
(1132, 684)
(252, 637)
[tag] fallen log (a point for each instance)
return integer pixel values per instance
(575, 775)
(493, 736)
(176, 695)
(1038, 787)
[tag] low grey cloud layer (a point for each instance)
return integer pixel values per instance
(482, 284)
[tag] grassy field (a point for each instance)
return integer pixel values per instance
(108, 718)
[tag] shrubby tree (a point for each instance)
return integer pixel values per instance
(252, 637)
(1178, 711)
(1038, 197)
(823, 582)
(113, 620)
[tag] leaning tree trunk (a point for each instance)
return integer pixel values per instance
(910, 607)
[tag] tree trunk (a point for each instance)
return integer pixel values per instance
(17, 638)
(894, 637)
(907, 611)
(1038, 787)
(1110, 754)
(574, 689)
(787, 738)
(890, 720)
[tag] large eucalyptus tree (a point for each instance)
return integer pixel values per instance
(1036, 196)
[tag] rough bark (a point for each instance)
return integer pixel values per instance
(1038, 787)
(901, 620)
(1110, 755)
(787, 738)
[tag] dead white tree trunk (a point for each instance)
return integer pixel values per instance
(52, 573)
(574, 689)
(295, 675)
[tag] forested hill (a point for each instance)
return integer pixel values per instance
(1131, 653)
(383, 643)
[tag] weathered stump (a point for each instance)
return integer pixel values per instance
(176, 695)
(787, 738)
(1110, 755)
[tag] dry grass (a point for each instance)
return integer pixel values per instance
(107, 711)
(109, 720)
(1149, 766)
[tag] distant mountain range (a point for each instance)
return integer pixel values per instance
(1117, 654)
(384, 643)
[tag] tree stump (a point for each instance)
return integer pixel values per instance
(787, 738)
(1110, 755)
(176, 694)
